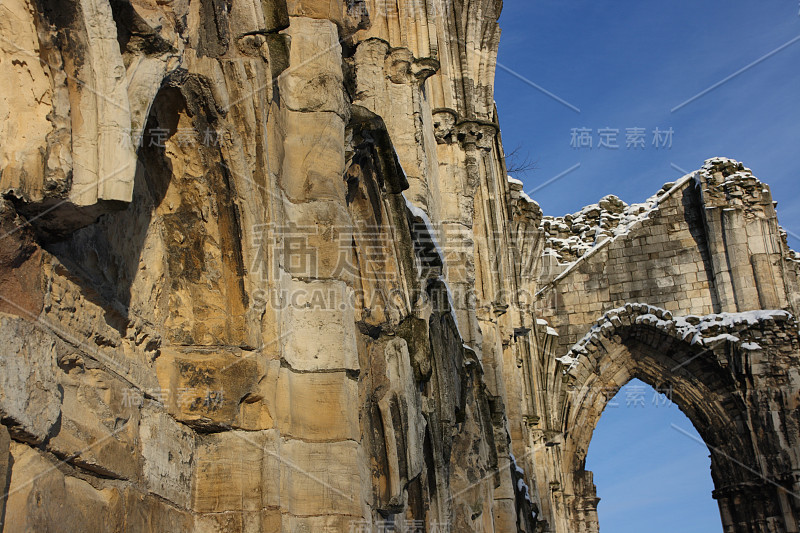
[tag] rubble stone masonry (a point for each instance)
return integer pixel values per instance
(262, 269)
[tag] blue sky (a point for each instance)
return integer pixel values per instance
(650, 476)
(629, 64)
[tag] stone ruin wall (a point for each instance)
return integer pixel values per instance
(262, 270)
(673, 291)
(224, 306)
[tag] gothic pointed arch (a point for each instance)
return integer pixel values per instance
(705, 364)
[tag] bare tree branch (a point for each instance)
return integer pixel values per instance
(520, 163)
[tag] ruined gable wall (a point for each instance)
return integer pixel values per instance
(704, 256)
(662, 260)
(710, 243)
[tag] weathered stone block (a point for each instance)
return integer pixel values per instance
(102, 410)
(265, 521)
(313, 162)
(41, 498)
(168, 452)
(150, 514)
(314, 79)
(312, 524)
(237, 471)
(208, 388)
(320, 478)
(316, 242)
(332, 10)
(320, 326)
(30, 399)
(317, 406)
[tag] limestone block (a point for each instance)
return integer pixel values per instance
(41, 498)
(332, 10)
(149, 514)
(257, 409)
(314, 79)
(320, 326)
(265, 521)
(320, 478)
(255, 16)
(168, 452)
(316, 241)
(317, 406)
(237, 471)
(30, 399)
(313, 162)
(313, 524)
(103, 412)
(504, 515)
(207, 388)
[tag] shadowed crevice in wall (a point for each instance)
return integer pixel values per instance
(170, 211)
(693, 215)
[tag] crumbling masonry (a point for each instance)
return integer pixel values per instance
(262, 270)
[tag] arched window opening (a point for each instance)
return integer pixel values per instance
(651, 468)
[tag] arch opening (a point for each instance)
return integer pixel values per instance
(711, 382)
(650, 466)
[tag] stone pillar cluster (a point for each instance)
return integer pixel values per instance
(262, 269)
(744, 238)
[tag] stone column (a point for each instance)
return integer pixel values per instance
(585, 503)
(743, 238)
(321, 458)
(754, 507)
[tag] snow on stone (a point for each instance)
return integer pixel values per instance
(516, 189)
(416, 212)
(718, 338)
(568, 361)
(527, 198)
(571, 237)
(741, 171)
(521, 485)
(553, 253)
(696, 330)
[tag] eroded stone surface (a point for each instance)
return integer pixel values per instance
(262, 270)
(30, 398)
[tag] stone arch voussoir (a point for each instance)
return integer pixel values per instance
(715, 368)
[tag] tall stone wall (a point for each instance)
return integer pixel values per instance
(262, 269)
(229, 301)
(662, 260)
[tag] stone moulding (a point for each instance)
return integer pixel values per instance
(263, 270)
